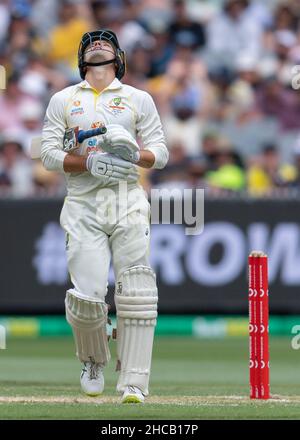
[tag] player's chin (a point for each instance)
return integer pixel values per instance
(98, 56)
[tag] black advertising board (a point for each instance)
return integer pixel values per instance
(204, 273)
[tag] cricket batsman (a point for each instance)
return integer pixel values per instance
(101, 221)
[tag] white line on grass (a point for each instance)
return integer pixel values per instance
(157, 400)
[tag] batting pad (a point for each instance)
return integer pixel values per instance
(88, 317)
(136, 303)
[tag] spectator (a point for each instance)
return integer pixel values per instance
(210, 148)
(241, 93)
(44, 16)
(294, 177)
(268, 174)
(62, 47)
(124, 22)
(47, 183)
(182, 123)
(232, 33)
(175, 174)
(39, 79)
(139, 65)
(184, 29)
(21, 40)
(285, 45)
(10, 102)
(286, 18)
(273, 99)
(100, 13)
(31, 114)
(4, 20)
(15, 170)
(229, 175)
(162, 51)
(197, 169)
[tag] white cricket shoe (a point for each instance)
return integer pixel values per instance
(132, 395)
(92, 379)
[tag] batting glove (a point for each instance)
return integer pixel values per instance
(117, 140)
(110, 169)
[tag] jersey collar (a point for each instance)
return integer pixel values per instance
(114, 85)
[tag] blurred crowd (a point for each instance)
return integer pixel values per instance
(223, 74)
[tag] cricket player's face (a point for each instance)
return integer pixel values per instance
(99, 51)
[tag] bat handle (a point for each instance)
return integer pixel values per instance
(86, 134)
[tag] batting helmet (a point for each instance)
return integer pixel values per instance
(106, 35)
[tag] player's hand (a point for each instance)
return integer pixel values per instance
(110, 169)
(117, 140)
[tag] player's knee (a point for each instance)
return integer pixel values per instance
(90, 287)
(136, 294)
(85, 311)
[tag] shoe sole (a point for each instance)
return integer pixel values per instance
(93, 395)
(132, 399)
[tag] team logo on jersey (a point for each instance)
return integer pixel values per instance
(117, 101)
(115, 105)
(76, 103)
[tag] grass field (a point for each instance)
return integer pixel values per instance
(191, 379)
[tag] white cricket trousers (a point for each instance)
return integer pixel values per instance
(103, 225)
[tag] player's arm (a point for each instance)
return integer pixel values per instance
(52, 154)
(147, 159)
(155, 153)
(74, 164)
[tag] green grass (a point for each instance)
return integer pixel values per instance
(191, 379)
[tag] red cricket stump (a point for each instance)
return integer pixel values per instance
(259, 366)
